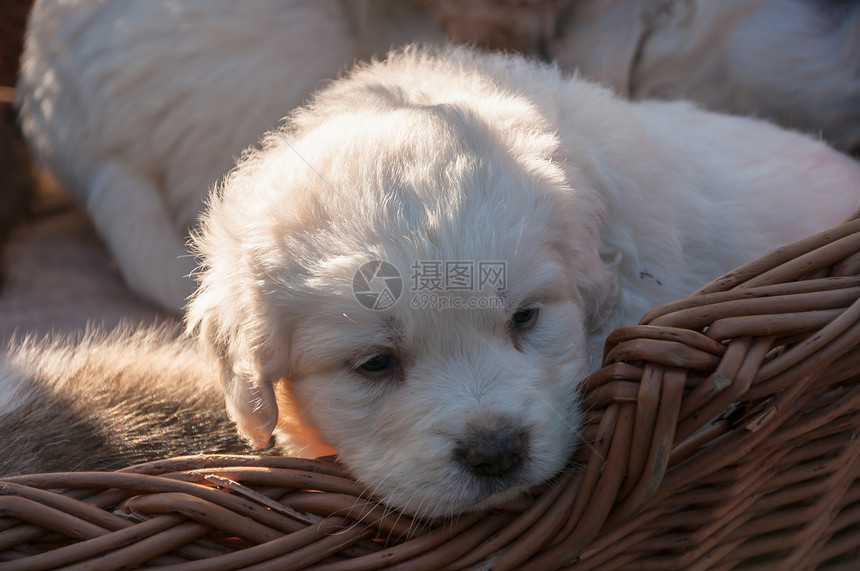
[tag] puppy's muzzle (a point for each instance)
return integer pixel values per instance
(493, 454)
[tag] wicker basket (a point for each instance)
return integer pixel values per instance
(722, 434)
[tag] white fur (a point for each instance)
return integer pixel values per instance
(13, 383)
(140, 107)
(600, 208)
(796, 62)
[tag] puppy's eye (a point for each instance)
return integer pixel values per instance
(524, 318)
(378, 365)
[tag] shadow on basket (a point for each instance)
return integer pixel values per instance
(722, 434)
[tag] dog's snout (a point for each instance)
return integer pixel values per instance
(494, 454)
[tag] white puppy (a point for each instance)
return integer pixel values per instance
(140, 107)
(597, 208)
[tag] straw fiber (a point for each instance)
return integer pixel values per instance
(722, 433)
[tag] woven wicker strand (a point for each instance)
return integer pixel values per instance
(722, 433)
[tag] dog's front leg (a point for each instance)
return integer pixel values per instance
(130, 215)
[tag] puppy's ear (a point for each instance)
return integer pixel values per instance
(599, 288)
(578, 227)
(225, 332)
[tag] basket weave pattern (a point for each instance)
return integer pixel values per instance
(722, 433)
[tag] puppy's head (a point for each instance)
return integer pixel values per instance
(409, 283)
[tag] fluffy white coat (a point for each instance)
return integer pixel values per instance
(139, 107)
(600, 209)
(796, 62)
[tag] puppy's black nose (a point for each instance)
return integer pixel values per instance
(494, 455)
